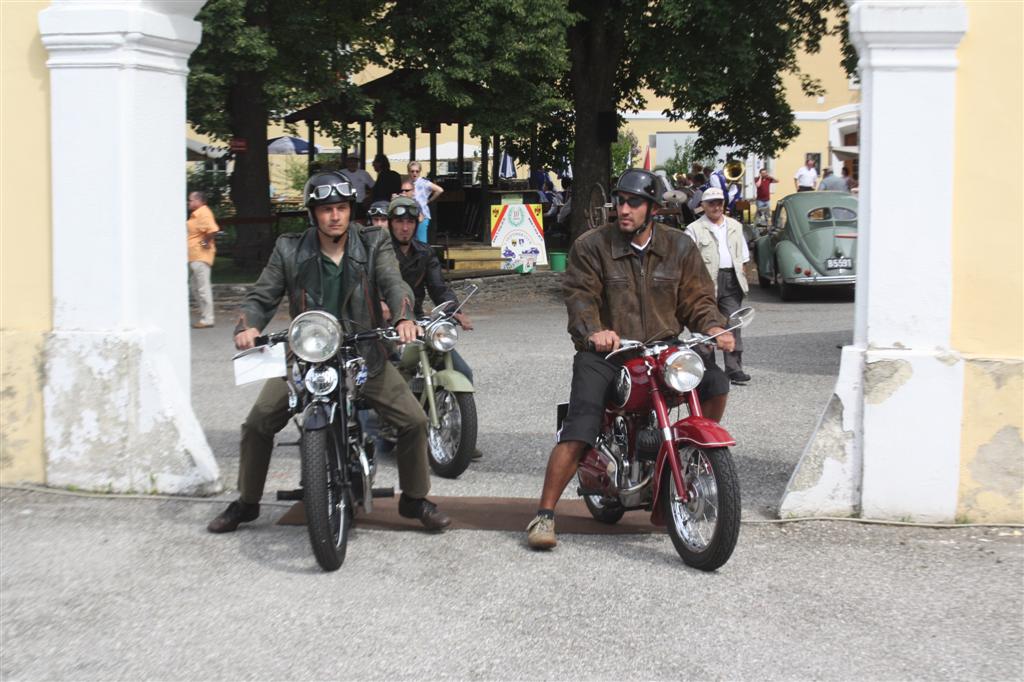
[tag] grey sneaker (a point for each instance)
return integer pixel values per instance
(541, 533)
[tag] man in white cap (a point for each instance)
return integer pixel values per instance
(724, 250)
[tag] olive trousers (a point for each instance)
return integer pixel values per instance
(387, 393)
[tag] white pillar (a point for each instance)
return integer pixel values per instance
(118, 414)
(900, 384)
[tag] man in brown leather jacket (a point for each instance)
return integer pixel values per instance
(632, 279)
(346, 269)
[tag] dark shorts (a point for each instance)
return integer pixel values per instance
(593, 378)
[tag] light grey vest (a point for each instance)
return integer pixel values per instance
(707, 241)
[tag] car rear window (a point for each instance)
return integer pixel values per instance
(823, 215)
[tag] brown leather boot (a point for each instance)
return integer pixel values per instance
(423, 509)
(236, 513)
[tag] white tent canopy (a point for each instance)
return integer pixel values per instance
(448, 151)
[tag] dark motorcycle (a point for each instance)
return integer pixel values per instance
(681, 471)
(324, 393)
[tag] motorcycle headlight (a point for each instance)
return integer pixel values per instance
(442, 336)
(314, 336)
(321, 380)
(683, 370)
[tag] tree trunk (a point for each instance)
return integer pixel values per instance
(250, 181)
(595, 49)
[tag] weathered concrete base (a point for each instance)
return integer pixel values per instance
(117, 420)
(911, 447)
(826, 481)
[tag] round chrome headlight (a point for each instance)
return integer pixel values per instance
(314, 336)
(683, 370)
(442, 336)
(321, 380)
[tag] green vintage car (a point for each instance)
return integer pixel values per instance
(812, 242)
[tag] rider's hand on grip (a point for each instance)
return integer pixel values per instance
(408, 331)
(246, 339)
(726, 342)
(604, 341)
(463, 319)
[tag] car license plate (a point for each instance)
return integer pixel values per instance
(839, 263)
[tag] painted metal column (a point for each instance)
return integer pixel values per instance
(888, 444)
(117, 390)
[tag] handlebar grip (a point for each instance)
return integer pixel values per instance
(261, 341)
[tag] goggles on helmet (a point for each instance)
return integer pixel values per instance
(321, 192)
(411, 211)
(377, 212)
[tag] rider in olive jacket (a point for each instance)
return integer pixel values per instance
(370, 273)
(344, 269)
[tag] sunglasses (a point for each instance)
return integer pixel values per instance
(321, 192)
(405, 211)
(632, 202)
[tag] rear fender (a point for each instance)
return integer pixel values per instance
(698, 432)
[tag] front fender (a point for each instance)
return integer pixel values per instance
(700, 432)
(315, 417)
(452, 381)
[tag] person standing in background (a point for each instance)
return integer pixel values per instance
(425, 192)
(201, 227)
(806, 178)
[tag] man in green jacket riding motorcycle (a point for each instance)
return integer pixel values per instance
(346, 269)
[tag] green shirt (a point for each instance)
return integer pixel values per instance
(331, 284)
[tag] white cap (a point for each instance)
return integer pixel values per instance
(712, 193)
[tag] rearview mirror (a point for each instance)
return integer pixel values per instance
(742, 317)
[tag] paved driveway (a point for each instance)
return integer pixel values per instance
(136, 589)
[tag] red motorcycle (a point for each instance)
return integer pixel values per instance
(681, 471)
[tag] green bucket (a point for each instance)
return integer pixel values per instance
(557, 259)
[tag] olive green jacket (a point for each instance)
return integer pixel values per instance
(370, 274)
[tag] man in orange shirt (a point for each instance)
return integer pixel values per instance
(201, 250)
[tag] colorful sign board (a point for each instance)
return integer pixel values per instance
(519, 230)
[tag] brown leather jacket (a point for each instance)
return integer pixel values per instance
(607, 287)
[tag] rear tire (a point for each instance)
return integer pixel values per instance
(604, 509)
(705, 529)
(450, 447)
(325, 497)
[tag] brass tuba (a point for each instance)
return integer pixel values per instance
(734, 170)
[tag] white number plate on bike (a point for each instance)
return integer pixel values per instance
(261, 362)
(839, 263)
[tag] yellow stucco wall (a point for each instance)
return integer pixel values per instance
(25, 293)
(988, 295)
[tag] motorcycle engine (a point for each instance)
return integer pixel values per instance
(648, 442)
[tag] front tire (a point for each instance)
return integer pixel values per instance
(450, 446)
(704, 530)
(325, 497)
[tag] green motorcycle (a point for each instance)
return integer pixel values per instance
(445, 393)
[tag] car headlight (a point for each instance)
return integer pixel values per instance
(321, 380)
(314, 336)
(442, 336)
(683, 370)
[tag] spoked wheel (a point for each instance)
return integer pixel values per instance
(604, 509)
(326, 498)
(450, 446)
(704, 529)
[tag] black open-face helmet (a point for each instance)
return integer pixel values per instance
(326, 187)
(640, 182)
(378, 208)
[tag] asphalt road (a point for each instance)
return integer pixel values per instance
(118, 588)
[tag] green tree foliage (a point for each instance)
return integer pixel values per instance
(625, 152)
(261, 58)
